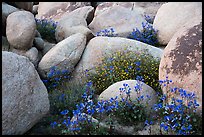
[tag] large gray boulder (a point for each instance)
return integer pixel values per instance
(20, 29)
(64, 55)
(24, 96)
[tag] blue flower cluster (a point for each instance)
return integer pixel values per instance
(177, 113)
(147, 35)
(55, 76)
(86, 109)
(46, 28)
(149, 19)
(107, 32)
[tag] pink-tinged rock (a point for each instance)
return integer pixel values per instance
(122, 19)
(147, 8)
(172, 16)
(24, 96)
(86, 12)
(55, 10)
(74, 22)
(21, 29)
(182, 59)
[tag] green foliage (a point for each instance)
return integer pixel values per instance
(123, 66)
(47, 29)
(65, 98)
(130, 114)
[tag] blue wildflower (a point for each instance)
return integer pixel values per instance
(64, 112)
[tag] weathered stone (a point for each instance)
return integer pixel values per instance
(20, 29)
(63, 32)
(28, 6)
(65, 55)
(6, 10)
(37, 33)
(86, 12)
(32, 54)
(47, 47)
(99, 47)
(55, 10)
(172, 15)
(5, 44)
(122, 19)
(113, 91)
(24, 96)
(182, 59)
(147, 8)
(38, 43)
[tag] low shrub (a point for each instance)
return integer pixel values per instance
(47, 29)
(149, 19)
(147, 35)
(125, 65)
(56, 78)
(177, 115)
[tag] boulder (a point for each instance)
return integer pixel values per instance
(20, 29)
(6, 10)
(47, 47)
(122, 19)
(74, 22)
(98, 47)
(64, 55)
(172, 15)
(32, 54)
(55, 10)
(39, 43)
(24, 96)
(28, 6)
(86, 12)
(62, 32)
(113, 91)
(147, 8)
(182, 59)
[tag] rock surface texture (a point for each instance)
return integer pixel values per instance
(113, 91)
(182, 59)
(172, 16)
(65, 55)
(24, 96)
(55, 10)
(20, 30)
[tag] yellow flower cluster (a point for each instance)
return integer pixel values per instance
(123, 66)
